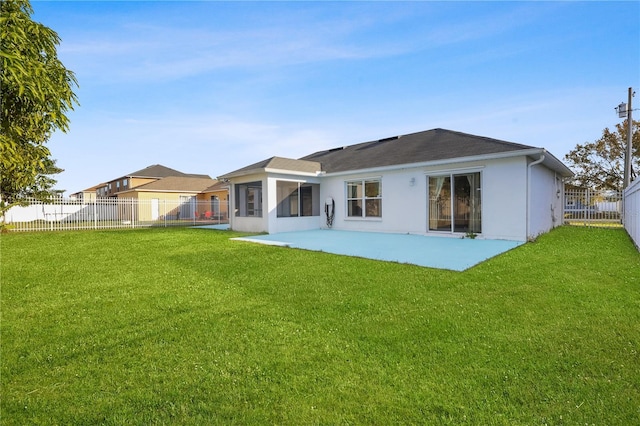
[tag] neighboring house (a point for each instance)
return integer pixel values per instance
(218, 197)
(164, 193)
(436, 182)
(89, 194)
(144, 176)
(181, 197)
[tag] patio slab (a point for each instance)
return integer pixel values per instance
(455, 254)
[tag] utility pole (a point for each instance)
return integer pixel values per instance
(629, 152)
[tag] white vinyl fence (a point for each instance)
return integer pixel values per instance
(70, 214)
(632, 211)
(588, 207)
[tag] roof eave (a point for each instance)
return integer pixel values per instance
(556, 165)
(240, 174)
(549, 160)
(194, 191)
(267, 170)
(292, 172)
(455, 160)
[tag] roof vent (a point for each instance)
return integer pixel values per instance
(336, 149)
(392, 138)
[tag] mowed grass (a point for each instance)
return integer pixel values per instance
(183, 326)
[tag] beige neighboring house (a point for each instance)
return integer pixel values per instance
(218, 196)
(181, 197)
(89, 194)
(115, 187)
(163, 193)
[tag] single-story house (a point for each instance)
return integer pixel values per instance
(435, 182)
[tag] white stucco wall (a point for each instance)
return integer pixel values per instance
(505, 203)
(248, 224)
(289, 224)
(545, 200)
(404, 206)
(270, 222)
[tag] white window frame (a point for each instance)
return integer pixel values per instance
(296, 201)
(452, 174)
(363, 198)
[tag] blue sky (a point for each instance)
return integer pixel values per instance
(208, 87)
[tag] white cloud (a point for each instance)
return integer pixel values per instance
(148, 51)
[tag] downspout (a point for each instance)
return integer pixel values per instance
(535, 163)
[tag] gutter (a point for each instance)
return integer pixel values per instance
(529, 167)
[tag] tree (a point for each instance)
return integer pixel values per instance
(600, 164)
(36, 94)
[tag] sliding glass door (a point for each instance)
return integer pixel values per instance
(455, 203)
(440, 203)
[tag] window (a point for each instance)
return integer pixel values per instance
(125, 183)
(249, 199)
(298, 199)
(455, 203)
(364, 198)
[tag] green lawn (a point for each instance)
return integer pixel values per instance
(183, 326)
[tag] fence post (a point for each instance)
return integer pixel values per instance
(586, 211)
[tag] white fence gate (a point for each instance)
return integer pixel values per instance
(70, 214)
(588, 207)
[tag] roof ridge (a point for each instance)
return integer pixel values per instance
(502, 141)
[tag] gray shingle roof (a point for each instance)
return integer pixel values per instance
(177, 183)
(430, 145)
(279, 163)
(160, 171)
(218, 186)
(414, 148)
